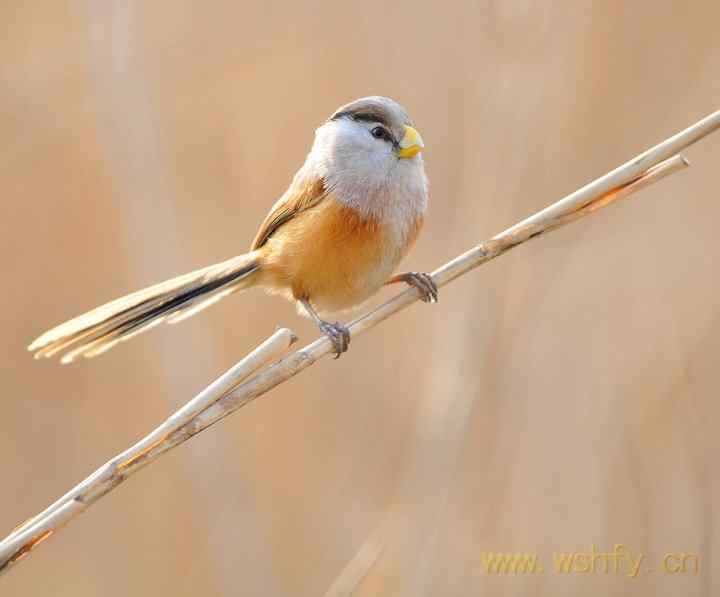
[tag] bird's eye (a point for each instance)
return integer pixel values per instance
(380, 133)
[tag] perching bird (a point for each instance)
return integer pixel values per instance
(352, 212)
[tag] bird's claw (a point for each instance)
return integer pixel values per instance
(424, 284)
(338, 334)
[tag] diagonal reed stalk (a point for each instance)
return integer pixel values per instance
(249, 379)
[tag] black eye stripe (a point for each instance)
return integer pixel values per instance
(380, 132)
(371, 117)
(376, 116)
(366, 117)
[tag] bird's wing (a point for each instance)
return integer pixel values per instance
(300, 197)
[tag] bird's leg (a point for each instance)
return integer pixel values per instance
(424, 284)
(338, 334)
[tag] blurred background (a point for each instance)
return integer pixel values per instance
(560, 397)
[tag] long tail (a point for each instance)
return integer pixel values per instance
(99, 330)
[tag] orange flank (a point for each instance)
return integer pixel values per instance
(331, 255)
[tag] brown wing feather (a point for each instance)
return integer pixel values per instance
(301, 196)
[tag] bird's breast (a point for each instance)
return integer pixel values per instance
(336, 256)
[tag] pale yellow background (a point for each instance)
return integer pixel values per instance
(565, 394)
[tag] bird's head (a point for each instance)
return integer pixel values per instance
(370, 145)
(375, 125)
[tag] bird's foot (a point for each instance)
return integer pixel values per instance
(338, 334)
(425, 285)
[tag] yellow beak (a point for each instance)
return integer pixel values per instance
(411, 144)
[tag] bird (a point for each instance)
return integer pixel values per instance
(353, 210)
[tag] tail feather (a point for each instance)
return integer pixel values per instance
(99, 330)
(198, 305)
